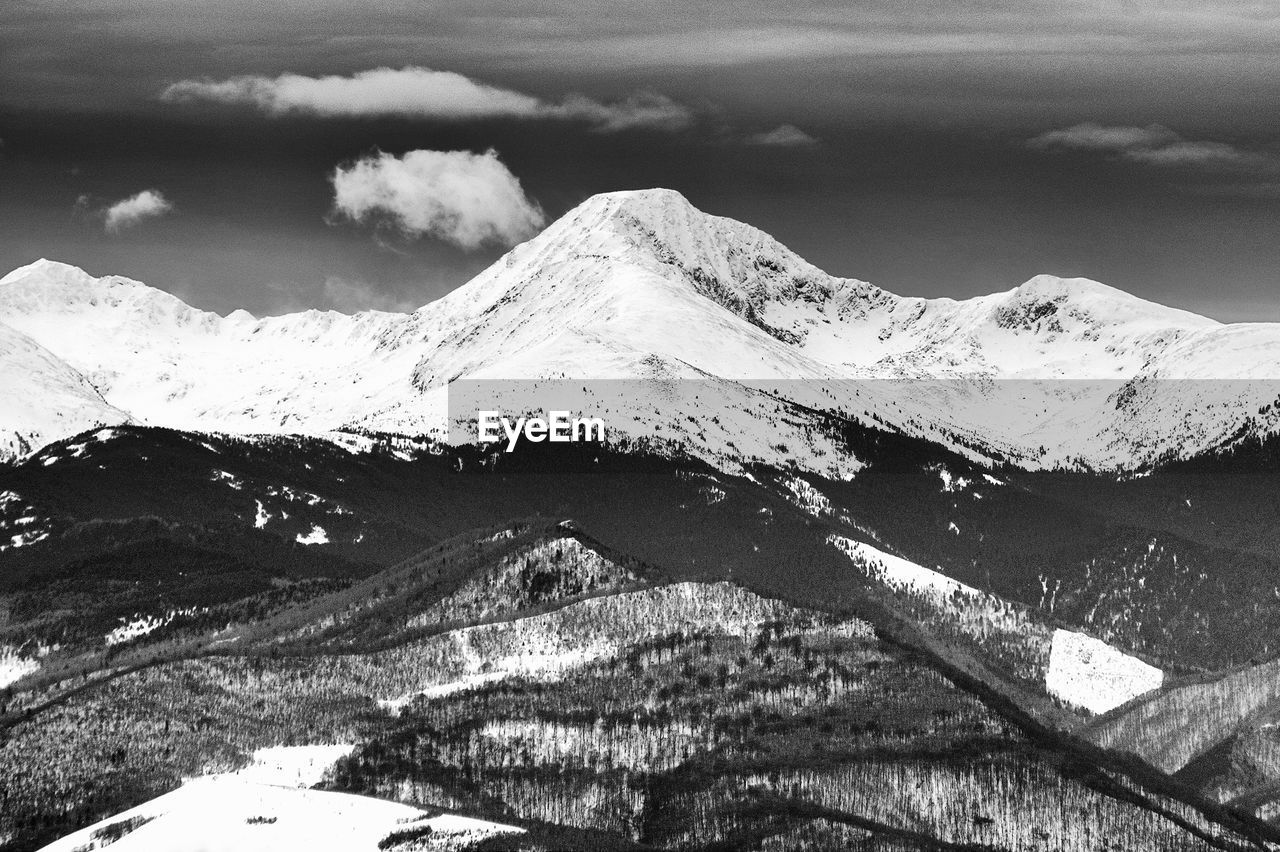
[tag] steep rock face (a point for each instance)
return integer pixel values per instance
(642, 285)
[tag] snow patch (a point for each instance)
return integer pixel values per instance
(13, 666)
(1089, 673)
(898, 573)
(542, 656)
(316, 536)
(25, 538)
(226, 813)
(806, 497)
(133, 629)
(951, 483)
(293, 766)
(142, 625)
(231, 480)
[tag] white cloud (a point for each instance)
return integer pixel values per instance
(1096, 137)
(1155, 145)
(1185, 153)
(462, 198)
(425, 93)
(128, 212)
(641, 110)
(380, 91)
(783, 136)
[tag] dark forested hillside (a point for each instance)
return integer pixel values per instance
(694, 661)
(532, 675)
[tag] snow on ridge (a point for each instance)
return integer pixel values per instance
(1089, 673)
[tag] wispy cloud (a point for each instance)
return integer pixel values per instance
(426, 93)
(127, 212)
(646, 109)
(1156, 145)
(782, 136)
(459, 197)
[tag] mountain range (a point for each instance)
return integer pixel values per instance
(642, 286)
(849, 570)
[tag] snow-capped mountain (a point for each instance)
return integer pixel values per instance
(43, 397)
(641, 285)
(169, 364)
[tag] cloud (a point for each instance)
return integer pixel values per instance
(381, 91)
(415, 92)
(782, 136)
(465, 199)
(127, 212)
(1210, 154)
(1155, 145)
(1096, 137)
(641, 110)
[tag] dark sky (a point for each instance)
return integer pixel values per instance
(1165, 179)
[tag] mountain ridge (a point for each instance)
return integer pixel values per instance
(637, 284)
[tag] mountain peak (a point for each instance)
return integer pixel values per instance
(1085, 297)
(51, 288)
(51, 270)
(642, 203)
(728, 261)
(638, 216)
(1052, 285)
(656, 196)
